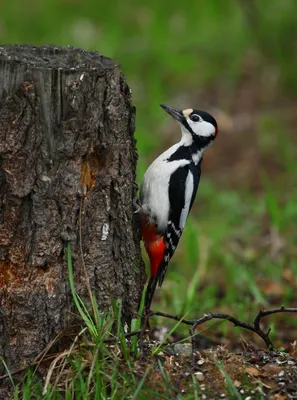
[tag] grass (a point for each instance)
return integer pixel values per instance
(102, 364)
(90, 368)
(238, 250)
(94, 369)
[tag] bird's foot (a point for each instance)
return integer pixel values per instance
(137, 205)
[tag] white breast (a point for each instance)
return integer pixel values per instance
(154, 188)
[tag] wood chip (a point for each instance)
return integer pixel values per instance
(199, 376)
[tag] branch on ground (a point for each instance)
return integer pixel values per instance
(255, 327)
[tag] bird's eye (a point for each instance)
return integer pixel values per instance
(195, 118)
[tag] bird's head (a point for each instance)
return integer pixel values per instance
(197, 126)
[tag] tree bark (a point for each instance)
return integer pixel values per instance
(67, 174)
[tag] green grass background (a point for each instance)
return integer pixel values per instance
(237, 59)
(194, 54)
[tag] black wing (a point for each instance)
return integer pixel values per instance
(181, 198)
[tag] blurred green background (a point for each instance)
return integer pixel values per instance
(236, 59)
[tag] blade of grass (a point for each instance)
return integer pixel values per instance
(77, 300)
(140, 384)
(157, 349)
(230, 385)
(195, 387)
(7, 371)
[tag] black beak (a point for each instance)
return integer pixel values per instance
(174, 112)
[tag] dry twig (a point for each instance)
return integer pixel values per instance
(255, 327)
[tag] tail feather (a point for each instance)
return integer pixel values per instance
(150, 290)
(153, 282)
(162, 271)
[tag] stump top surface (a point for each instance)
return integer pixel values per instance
(55, 57)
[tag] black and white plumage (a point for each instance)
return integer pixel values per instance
(169, 188)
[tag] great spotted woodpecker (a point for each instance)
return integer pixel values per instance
(168, 190)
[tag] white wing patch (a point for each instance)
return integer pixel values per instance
(188, 197)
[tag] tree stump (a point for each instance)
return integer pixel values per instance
(67, 173)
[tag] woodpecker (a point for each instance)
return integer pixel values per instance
(168, 190)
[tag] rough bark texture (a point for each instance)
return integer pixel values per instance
(66, 146)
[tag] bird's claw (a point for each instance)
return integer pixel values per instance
(136, 205)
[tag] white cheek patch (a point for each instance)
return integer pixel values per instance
(203, 128)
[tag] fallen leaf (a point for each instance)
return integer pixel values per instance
(268, 384)
(279, 396)
(252, 371)
(272, 368)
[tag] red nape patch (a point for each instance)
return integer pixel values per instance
(155, 250)
(216, 133)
